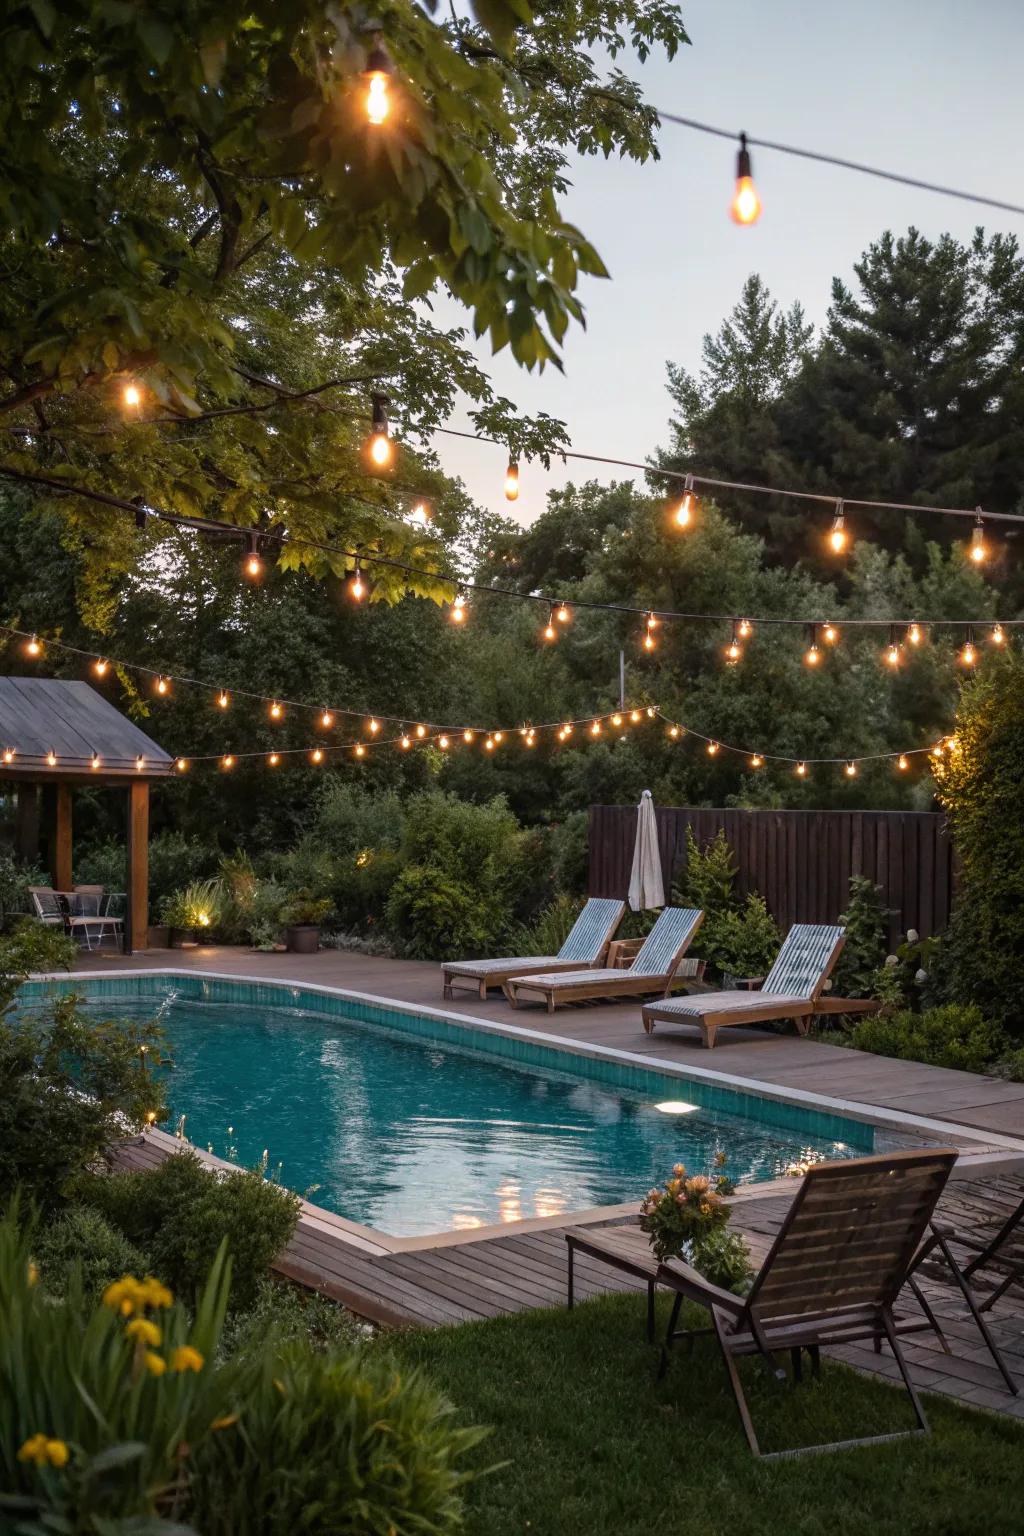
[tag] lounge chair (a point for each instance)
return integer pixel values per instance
(791, 990)
(587, 944)
(653, 969)
(998, 1246)
(844, 1252)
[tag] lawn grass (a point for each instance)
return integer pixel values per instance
(594, 1444)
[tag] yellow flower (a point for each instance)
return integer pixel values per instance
(43, 1451)
(155, 1364)
(185, 1358)
(143, 1331)
(154, 1294)
(33, 1273)
(279, 1384)
(120, 1295)
(225, 1421)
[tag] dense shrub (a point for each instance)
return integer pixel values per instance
(549, 930)
(81, 1242)
(737, 937)
(981, 786)
(290, 1314)
(956, 1035)
(180, 1211)
(15, 878)
(864, 949)
(745, 942)
(174, 861)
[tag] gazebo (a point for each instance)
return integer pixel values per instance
(61, 735)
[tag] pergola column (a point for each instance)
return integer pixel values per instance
(62, 876)
(136, 928)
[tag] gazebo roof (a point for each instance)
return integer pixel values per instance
(40, 715)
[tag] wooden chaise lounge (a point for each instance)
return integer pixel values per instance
(587, 944)
(792, 990)
(653, 969)
(833, 1275)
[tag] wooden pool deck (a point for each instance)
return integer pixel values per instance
(455, 1277)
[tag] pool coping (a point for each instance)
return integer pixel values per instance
(979, 1150)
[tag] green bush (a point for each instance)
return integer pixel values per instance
(737, 937)
(570, 853)
(745, 943)
(81, 1240)
(174, 861)
(15, 879)
(864, 949)
(432, 915)
(333, 1442)
(981, 786)
(550, 929)
(180, 1211)
(956, 1035)
(290, 1314)
(197, 906)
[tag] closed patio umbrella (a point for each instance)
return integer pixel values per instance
(646, 888)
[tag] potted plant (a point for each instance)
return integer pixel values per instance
(190, 912)
(301, 916)
(688, 1219)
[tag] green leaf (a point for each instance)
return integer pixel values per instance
(115, 1456)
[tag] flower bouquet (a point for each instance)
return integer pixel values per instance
(688, 1219)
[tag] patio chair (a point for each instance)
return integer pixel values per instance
(586, 944)
(790, 991)
(64, 909)
(653, 970)
(998, 1246)
(94, 903)
(844, 1252)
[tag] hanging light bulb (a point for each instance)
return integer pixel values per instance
(937, 749)
(830, 634)
(968, 655)
(812, 655)
(227, 761)
(376, 71)
(498, 738)
(745, 629)
(421, 731)
(95, 762)
(745, 207)
(901, 762)
(997, 637)
(489, 744)
(549, 631)
(467, 737)
(673, 731)
(712, 748)
(51, 758)
(635, 717)
(443, 743)
(100, 666)
(839, 538)
(978, 549)
(567, 728)
(276, 711)
(595, 728)
(33, 646)
(163, 685)
(8, 755)
(140, 763)
(252, 565)
(530, 739)
(404, 742)
(851, 769)
(326, 719)
(381, 446)
(914, 634)
(274, 759)
(756, 760)
(801, 770)
(182, 764)
(649, 640)
(131, 396)
(420, 514)
(512, 480)
(359, 749)
(223, 699)
(457, 612)
(562, 733)
(893, 649)
(563, 613)
(684, 512)
(357, 586)
(734, 650)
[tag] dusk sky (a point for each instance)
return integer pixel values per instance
(926, 87)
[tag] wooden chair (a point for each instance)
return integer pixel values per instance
(998, 1246)
(653, 970)
(844, 1252)
(791, 990)
(586, 944)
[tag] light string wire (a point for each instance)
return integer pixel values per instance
(409, 732)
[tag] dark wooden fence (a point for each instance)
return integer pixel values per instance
(799, 861)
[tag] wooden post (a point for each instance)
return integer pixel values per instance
(27, 824)
(62, 876)
(136, 927)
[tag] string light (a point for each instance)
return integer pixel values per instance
(276, 711)
(404, 742)
(457, 613)
(838, 538)
(745, 207)
(131, 396)
(357, 587)
(274, 759)
(830, 634)
(381, 447)
(549, 631)
(163, 686)
(734, 650)
(421, 731)
(649, 640)
(489, 744)
(442, 742)
(851, 769)
(617, 720)
(914, 634)
(595, 728)
(901, 762)
(181, 764)
(674, 732)
(95, 763)
(326, 719)
(359, 749)
(812, 655)
(33, 646)
(227, 761)
(253, 565)
(467, 737)
(317, 756)
(140, 763)
(968, 655)
(223, 699)
(756, 760)
(377, 69)
(893, 650)
(978, 550)
(684, 511)
(712, 749)
(563, 614)
(997, 637)
(373, 726)
(100, 667)
(8, 755)
(51, 758)
(801, 770)
(512, 481)
(499, 737)
(745, 629)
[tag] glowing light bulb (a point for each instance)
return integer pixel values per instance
(33, 646)
(373, 726)
(182, 764)
(997, 637)
(851, 769)
(223, 699)
(512, 481)
(901, 763)
(140, 763)
(131, 395)
(744, 629)
(381, 447)
(326, 719)
(498, 738)
(893, 653)
(357, 587)
(443, 743)
(530, 742)
(756, 760)
(968, 656)
(563, 614)
(378, 104)
(457, 613)
(978, 549)
(467, 737)
(421, 731)
(616, 720)
(801, 770)
(567, 727)
(404, 743)
(276, 711)
(914, 634)
(635, 716)
(684, 511)
(163, 685)
(100, 667)
(745, 207)
(360, 750)
(812, 655)
(937, 749)
(712, 749)
(649, 641)
(734, 650)
(673, 731)
(95, 761)
(549, 631)
(830, 634)
(489, 745)
(838, 537)
(274, 759)
(8, 754)
(595, 728)
(227, 761)
(420, 514)
(51, 759)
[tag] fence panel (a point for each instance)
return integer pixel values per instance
(799, 861)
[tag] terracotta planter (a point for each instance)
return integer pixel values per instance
(303, 938)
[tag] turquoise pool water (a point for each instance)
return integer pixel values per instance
(412, 1126)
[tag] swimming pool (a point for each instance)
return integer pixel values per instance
(413, 1124)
